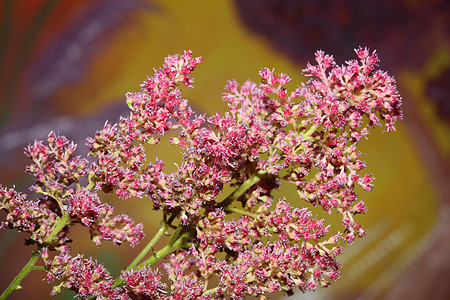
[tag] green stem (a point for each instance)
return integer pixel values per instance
(62, 222)
(255, 178)
(178, 243)
(91, 185)
(144, 251)
(22, 57)
(24, 272)
(307, 135)
(210, 291)
(149, 247)
(175, 235)
(30, 265)
(239, 211)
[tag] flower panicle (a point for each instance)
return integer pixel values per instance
(247, 243)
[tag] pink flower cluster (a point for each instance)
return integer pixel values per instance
(89, 279)
(84, 276)
(57, 175)
(33, 217)
(297, 258)
(246, 243)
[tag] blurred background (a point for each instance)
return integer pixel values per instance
(65, 65)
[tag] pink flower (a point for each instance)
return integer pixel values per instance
(245, 244)
(143, 282)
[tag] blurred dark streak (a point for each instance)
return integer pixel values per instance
(66, 59)
(63, 61)
(21, 59)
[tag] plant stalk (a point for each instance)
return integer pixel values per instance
(15, 284)
(255, 178)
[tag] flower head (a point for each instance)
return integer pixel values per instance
(245, 243)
